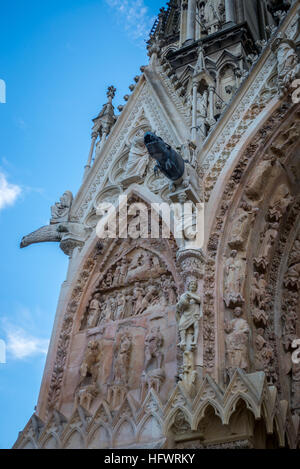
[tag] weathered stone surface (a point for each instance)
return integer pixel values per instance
(160, 343)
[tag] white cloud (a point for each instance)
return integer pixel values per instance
(135, 17)
(8, 192)
(22, 345)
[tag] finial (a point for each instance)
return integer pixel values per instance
(111, 92)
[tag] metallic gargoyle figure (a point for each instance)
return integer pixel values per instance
(168, 161)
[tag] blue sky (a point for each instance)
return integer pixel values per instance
(57, 58)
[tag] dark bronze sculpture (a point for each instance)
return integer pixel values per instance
(168, 161)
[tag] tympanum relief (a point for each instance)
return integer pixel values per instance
(136, 284)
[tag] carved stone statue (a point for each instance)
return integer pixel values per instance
(110, 308)
(169, 296)
(153, 374)
(138, 157)
(90, 364)
(241, 226)
(269, 239)
(282, 201)
(153, 353)
(121, 365)
(188, 313)
(259, 290)
(233, 272)
(120, 306)
(94, 311)
(138, 294)
(60, 211)
(150, 298)
(264, 353)
(237, 335)
(88, 388)
(256, 184)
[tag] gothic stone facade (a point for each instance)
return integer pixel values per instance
(156, 343)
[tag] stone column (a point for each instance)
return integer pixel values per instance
(229, 11)
(194, 111)
(183, 18)
(211, 90)
(191, 265)
(89, 161)
(191, 21)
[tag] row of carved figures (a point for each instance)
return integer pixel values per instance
(153, 373)
(129, 302)
(118, 274)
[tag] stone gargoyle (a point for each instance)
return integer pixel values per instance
(168, 161)
(61, 230)
(180, 172)
(68, 234)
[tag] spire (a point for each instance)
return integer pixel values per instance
(103, 124)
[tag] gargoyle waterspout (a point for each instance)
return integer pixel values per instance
(168, 161)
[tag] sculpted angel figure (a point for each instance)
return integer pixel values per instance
(60, 211)
(138, 157)
(188, 313)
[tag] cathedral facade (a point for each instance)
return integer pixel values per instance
(183, 341)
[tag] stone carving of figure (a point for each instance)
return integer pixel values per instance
(153, 344)
(202, 107)
(188, 313)
(60, 211)
(90, 364)
(94, 311)
(234, 271)
(237, 334)
(212, 15)
(264, 352)
(168, 288)
(121, 366)
(259, 290)
(288, 67)
(296, 387)
(150, 298)
(117, 274)
(138, 293)
(256, 184)
(109, 279)
(138, 157)
(269, 239)
(120, 306)
(153, 374)
(241, 226)
(279, 206)
(123, 271)
(110, 308)
(128, 306)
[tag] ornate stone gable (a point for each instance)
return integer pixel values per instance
(159, 343)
